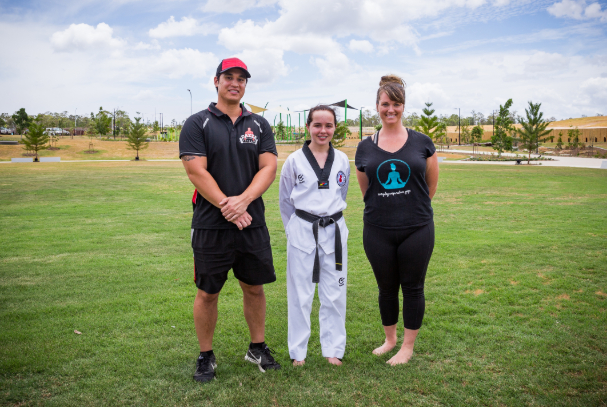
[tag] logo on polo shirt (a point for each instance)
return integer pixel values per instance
(248, 137)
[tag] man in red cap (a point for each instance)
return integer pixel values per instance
(229, 155)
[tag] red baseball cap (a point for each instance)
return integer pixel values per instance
(230, 63)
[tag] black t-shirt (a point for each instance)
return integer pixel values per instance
(398, 195)
(232, 151)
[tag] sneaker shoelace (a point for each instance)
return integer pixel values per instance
(269, 352)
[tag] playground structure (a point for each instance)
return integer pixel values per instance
(290, 133)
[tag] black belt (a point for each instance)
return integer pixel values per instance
(323, 221)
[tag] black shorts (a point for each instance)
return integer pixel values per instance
(247, 252)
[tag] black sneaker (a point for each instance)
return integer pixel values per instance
(262, 358)
(205, 369)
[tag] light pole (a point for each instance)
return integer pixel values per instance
(459, 126)
(190, 101)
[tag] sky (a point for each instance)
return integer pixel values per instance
(461, 55)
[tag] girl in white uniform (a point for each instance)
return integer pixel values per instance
(313, 189)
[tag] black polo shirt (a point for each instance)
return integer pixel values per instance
(232, 151)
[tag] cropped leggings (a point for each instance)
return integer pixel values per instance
(399, 258)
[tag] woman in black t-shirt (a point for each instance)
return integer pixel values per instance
(397, 170)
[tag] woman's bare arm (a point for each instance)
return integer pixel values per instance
(432, 174)
(363, 181)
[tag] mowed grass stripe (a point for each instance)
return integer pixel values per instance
(516, 295)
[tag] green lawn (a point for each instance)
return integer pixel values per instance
(516, 296)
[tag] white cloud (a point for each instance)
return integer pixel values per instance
(145, 46)
(234, 6)
(314, 27)
(543, 62)
(594, 11)
(264, 65)
(360, 46)
(246, 35)
(594, 92)
(185, 28)
(334, 67)
(176, 63)
(577, 10)
(84, 36)
(420, 93)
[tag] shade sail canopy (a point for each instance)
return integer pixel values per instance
(342, 104)
(256, 109)
(280, 109)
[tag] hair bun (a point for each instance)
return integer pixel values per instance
(386, 79)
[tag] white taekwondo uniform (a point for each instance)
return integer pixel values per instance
(301, 190)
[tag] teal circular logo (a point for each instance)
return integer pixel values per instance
(393, 174)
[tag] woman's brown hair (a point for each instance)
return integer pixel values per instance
(393, 86)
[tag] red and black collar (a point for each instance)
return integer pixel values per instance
(213, 109)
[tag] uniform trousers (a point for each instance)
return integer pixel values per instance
(332, 294)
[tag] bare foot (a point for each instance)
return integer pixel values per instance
(299, 362)
(334, 361)
(403, 356)
(386, 347)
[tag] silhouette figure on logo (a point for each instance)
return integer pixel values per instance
(393, 181)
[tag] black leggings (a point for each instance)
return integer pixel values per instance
(399, 258)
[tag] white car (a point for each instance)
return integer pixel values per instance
(56, 131)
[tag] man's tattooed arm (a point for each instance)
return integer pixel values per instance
(188, 157)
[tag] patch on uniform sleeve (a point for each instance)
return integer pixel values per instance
(341, 178)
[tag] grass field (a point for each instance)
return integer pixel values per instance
(516, 296)
(76, 149)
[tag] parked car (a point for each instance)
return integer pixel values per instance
(56, 131)
(4, 130)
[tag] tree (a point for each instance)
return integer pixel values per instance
(122, 122)
(465, 132)
(137, 137)
(280, 131)
(35, 139)
(21, 120)
(573, 136)
(476, 135)
(408, 121)
(501, 140)
(102, 122)
(341, 134)
(559, 142)
(532, 129)
(440, 133)
(428, 122)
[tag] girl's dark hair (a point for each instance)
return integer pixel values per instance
(393, 86)
(316, 109)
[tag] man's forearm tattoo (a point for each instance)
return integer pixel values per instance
(188, 157)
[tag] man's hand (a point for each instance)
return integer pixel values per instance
(243, 221)
(233, 207)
